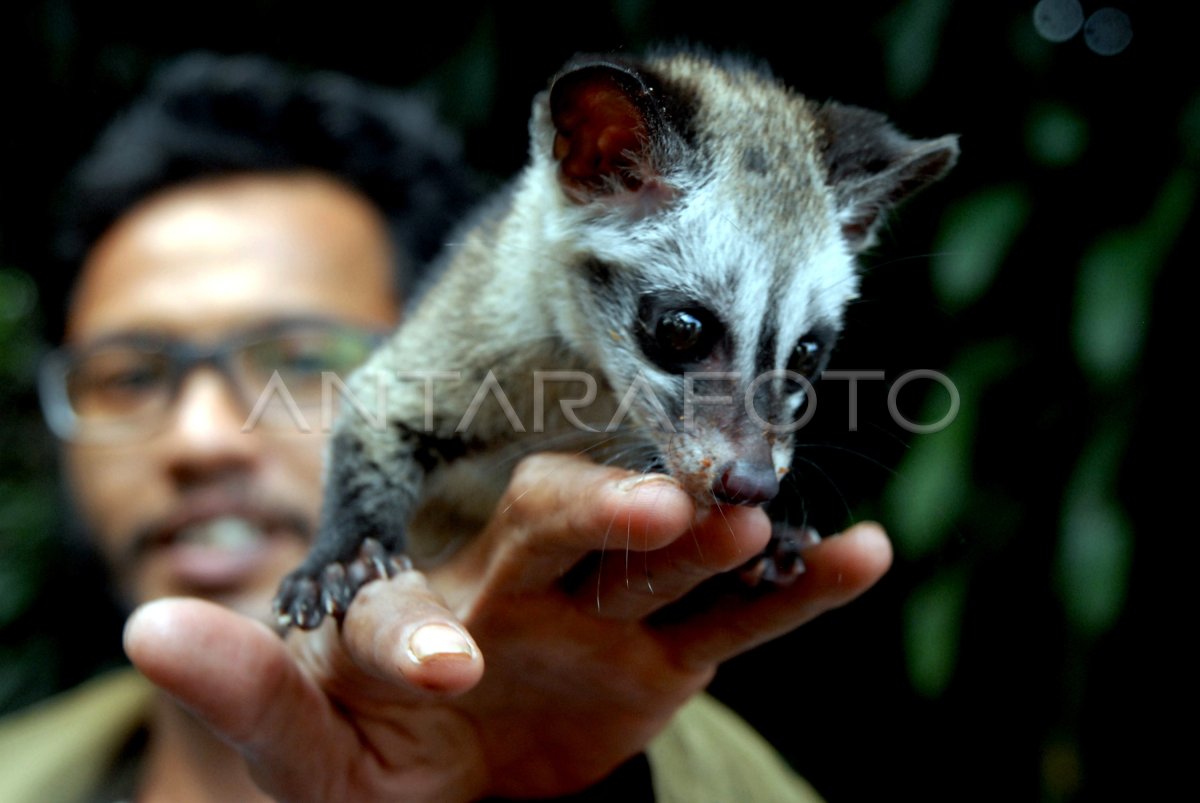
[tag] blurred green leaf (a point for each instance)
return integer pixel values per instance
(18, 295)
(1056, 135)
(932, 483)
(1028, 46)
(1111, 306)
(1116, 281)
(932, 628)
(20, 344)
(60, 32)
(27, 525)
(912, 34)
(1189, 130)
(1061, 768)
(976, 235)
(633, 14)
(1096, 540)
(27, 672)
(931, 486)
(18, 360)
(465, 83)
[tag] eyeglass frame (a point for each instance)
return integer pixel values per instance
(183, 358)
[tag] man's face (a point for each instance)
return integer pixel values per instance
(200, 507)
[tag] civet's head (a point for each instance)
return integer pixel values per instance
(712, 216)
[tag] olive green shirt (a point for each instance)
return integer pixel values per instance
(63, 749)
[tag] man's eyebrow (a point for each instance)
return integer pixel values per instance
(124, 337)
(291, 321)
(153, 335)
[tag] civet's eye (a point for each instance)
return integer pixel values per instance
(809, 357)
(687, 335)
(679, 332)
(678, 337)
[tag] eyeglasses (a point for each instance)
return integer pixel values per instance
(123, 388)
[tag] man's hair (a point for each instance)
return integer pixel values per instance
(205, 115)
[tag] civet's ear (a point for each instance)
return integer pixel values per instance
(872, 167)
(605, 121)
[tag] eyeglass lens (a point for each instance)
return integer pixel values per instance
(120, 388)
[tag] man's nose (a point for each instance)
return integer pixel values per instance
(204, 432)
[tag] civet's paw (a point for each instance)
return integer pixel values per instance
(780, 563)
(309, 594)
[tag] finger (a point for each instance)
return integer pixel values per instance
(838, 569)
(559, 508)
(400, 632)
(630, 584)
(239, 678)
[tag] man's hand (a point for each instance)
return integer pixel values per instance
(564, 593)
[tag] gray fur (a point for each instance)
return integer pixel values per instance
(739, 195)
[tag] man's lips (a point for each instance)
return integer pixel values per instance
(220, 520)
(219, 541)
(231, 533)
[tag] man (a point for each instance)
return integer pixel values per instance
(210, 273)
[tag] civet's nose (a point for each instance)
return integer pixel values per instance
(746, 482)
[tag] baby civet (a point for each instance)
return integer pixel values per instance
(685, 232)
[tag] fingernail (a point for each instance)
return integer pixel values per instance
(632, 483)
(438, 641)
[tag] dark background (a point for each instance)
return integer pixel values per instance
(1027, 645)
